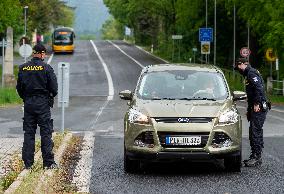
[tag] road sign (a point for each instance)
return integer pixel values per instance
(1, 43)
(270, 56)
(25, 50)
(176, 37)
(194, 49)
(127, 31)
(205, 47)
(245, 52)
(205, 34)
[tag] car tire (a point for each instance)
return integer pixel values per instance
(233, 163)
(131, 166)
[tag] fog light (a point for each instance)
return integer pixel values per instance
(145, 139)
(221, 140)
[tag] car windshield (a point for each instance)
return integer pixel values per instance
(182, 85)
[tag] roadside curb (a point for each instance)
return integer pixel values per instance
(82, 174)
(13, 187)
(57, 157)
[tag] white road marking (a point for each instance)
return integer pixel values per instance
(50, 58)
(126, 54)
(109, 79)
(83, 171)
(151, 54)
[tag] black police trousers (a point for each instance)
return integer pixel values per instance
(37, 112)
(256, 132)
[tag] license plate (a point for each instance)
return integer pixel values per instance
(184, 140)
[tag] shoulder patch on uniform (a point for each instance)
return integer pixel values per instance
(255, 79)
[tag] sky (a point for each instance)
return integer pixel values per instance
(89, 15)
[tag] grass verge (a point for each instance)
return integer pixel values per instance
(16, 166)
(61, 180)
(9, 96)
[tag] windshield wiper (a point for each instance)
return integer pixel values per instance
(163, 98)
(212, 99)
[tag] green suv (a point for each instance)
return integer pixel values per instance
(182, 112)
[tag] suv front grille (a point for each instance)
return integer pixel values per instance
(204, 139)
(183, 119)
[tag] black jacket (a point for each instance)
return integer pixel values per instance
(254, 86)
(36, 78)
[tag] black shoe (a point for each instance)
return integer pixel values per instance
(254, 161)
(252, 155)
(52, 166)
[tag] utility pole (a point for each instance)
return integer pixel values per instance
(3, 61)
(248, 39)
(234, 54)
(215, 26)
(206, 22)
(25, 11)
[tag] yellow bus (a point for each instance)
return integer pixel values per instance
(63, 40)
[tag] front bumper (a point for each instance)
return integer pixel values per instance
(168, 156)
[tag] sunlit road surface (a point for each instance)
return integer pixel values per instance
(93, 108)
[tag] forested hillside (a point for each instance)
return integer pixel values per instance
(155, 21)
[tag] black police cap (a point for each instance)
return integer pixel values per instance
(38, 49)
(240, 61)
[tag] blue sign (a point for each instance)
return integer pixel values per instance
(206, 34)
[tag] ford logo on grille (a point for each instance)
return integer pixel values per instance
(183, 120)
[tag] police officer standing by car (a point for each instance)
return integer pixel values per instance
(256, 111)
(37, 86)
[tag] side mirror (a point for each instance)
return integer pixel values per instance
(125, 95)
(239, 95)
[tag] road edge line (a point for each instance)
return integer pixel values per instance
(109, 78)
(138, 63)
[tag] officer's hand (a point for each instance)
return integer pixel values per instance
(256, 108)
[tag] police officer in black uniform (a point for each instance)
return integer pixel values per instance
(256, 111)
(37, 85)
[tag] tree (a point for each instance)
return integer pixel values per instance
(11, 13)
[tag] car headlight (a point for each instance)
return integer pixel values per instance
(137, 117)
(228, 117)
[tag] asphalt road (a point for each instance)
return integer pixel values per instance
(93, 108)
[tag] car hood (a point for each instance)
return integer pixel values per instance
(168, 108)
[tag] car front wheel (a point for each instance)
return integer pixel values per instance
(131, 166)
(233, 163)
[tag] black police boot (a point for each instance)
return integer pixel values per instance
(52, 166)
(255, 160)
(250, 157)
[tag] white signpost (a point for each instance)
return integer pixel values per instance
(63, 89)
